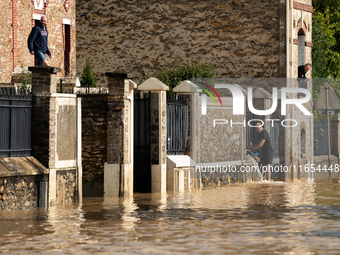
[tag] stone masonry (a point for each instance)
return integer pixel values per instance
(43, 115)
(94, 138)
(115, 146)
(244, 38)
(20, 192)
(54, 138)
(66, 187)
(20, 179)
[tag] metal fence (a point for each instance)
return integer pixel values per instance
(275, 137)
(320, 138)
(177, 126)
(15, 122)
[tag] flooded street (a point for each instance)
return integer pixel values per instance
(250, 218)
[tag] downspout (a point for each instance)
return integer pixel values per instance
(292, 85)
(287, 72)
(289, 69)
(311, 143)
(311, 131)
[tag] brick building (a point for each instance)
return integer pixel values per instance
(17, 19)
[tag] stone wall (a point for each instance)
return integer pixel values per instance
(40, 137)
(207, 179)
(243, 38)
(6, 56)
(66, 184)
(94, 137)
(25, 24)
(16, 25)
(20, 192)
(220, 143)
(116, 150)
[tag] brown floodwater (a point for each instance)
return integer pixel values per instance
(249, 218)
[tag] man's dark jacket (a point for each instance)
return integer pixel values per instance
(301, 72)
(37, 41)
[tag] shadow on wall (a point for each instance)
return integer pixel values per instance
(95, 189)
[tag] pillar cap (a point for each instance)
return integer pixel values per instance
(187, 87)
(153, 84)
(132, 85)
(116, 74)
(44, 69)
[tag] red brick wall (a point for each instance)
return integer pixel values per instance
(304, 7)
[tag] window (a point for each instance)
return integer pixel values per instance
(301, 50)
(67, 50)
(303, 143)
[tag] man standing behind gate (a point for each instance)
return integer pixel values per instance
(267, 149)
(37, 42)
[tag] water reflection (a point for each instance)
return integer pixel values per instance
(251, 218)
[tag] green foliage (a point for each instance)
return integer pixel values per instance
(326, 47)
(25, 79)
(172, 74)
(87, 78)
(325, 56)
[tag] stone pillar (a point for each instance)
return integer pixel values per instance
(190, 91)
(54, 134)
(158, 132)
(44, 83)
(118, 171)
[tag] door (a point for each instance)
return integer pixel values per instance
(142, 145)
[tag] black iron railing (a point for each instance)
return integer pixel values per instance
(15, 122)
(177, 126)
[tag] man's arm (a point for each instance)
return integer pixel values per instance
(48, 52)
(31, 38)
(257, 145)
(47, 49)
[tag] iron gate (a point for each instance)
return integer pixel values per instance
(15, 122)
(320, 137)
(142, 145)
(275, 137)
(177, 121)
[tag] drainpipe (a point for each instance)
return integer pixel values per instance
(287, 70)
(311, 143)
(292, 82)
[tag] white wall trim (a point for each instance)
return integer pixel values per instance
(67, 21)
(37, 16)
(65, 163)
